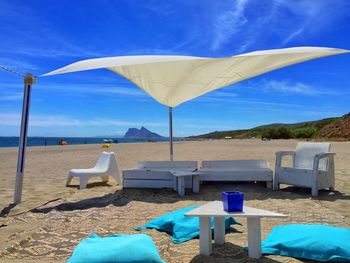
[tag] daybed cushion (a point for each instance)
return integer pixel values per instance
(315, 242)
(142, 174)
(158, 170)
(116, 248)
(235, 170)
(234, 174)
(181, 227)
(165, 165)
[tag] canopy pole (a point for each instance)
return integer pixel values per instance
(29, 80)
(171, 134)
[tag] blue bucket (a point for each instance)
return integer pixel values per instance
(233, 201)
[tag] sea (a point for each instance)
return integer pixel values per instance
(47, 141)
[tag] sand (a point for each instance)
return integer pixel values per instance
(53, 218)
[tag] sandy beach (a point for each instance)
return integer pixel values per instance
(53, 218)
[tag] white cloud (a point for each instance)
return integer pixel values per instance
(127, 90)
(285, 86)
(311, 16)
(216, 96)
(206, 126)
(288, 87)
(253, 104)
(120, 90)
(65, 49)
(96, 89)
(11, 96)
(275, 23)
(229, 23)
(231, 98)
(17, 65)
(13, 119)
(293, 35)
(114, 122)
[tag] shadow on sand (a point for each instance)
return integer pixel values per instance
(209, 192)
(229, 252)
(6, 210)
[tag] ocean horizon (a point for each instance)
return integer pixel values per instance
(13, 141)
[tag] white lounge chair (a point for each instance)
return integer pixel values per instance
(313, 166)
(106, 166)
(157, 174)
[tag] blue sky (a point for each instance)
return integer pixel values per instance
(39, 36)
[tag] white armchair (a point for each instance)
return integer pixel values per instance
(313, 167)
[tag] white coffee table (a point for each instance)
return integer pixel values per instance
(216, 210)
(179, 177)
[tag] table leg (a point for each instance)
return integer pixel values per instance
(254, 237)
(195, 184)
(219, 230)
(181, 185)
(205, 246)
(175, 183)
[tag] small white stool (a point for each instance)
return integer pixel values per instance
(179, 181)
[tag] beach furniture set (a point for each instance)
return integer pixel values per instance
(186, 174)
(312, 167)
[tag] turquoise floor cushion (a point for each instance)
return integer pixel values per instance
(116, 248)
(315, 242)
(181, 227)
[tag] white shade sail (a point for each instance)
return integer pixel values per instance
(172, 80)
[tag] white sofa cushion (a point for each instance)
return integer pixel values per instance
(235, 170)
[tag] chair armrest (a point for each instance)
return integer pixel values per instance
(321, 156)
(285, 153)
(280, 155)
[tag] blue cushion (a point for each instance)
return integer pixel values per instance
(116, 248)
(181, 227)
(315, 242)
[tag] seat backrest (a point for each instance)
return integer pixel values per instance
(236, 164)
(106, 161)
(168, 165)
(305, 154)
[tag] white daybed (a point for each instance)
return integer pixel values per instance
(156, 174)
(236, 171)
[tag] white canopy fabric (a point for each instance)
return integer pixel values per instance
(172, 80)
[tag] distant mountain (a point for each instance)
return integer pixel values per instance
(143, 133)
(332, 128)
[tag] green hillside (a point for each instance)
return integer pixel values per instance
(308, 129)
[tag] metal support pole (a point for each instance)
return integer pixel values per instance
(171, 133)
(29, 80)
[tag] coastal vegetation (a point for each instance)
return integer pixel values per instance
(335, 128)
